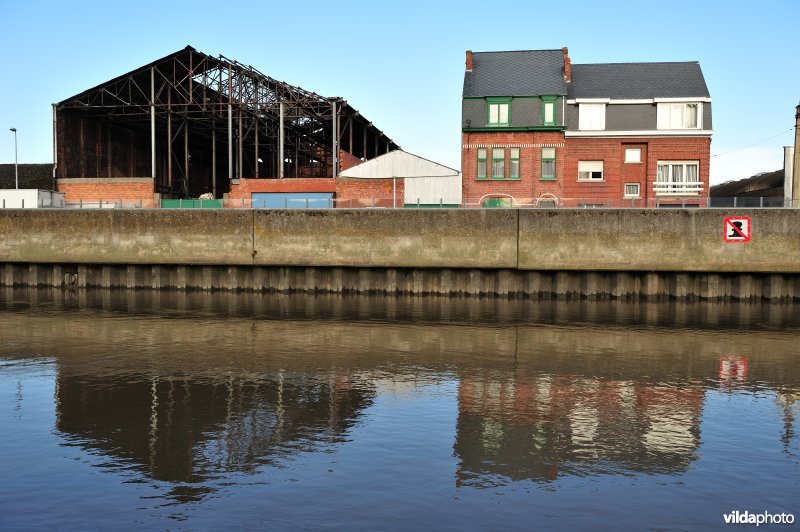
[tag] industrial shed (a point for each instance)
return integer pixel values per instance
(189, 124)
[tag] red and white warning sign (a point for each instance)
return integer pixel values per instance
(737, 229)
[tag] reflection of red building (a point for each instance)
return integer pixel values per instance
(732, 370)
(538, 427)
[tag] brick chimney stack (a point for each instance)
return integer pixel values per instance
(469, 60)
(567, 66)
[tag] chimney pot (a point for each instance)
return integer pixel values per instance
(469, 60)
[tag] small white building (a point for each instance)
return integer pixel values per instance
(30, 198)
(426, 183)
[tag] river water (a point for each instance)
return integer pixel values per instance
(125, 410)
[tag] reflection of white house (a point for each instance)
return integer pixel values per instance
(425, 183)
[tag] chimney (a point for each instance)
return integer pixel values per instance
(469, 60)
(567, 66)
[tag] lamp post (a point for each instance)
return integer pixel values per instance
(16, 170)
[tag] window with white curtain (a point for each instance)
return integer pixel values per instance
(678, 177)
(592, 116)
(679, 115)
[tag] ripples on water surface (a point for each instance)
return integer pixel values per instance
(148, 410)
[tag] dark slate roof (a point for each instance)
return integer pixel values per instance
(523, 73)
(638, 81)
(30, 176)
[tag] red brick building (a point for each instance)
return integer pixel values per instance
(540, 131)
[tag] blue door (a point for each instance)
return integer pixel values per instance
(292, 200)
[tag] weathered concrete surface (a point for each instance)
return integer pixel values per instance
(108, 236)
(457, 244)
(680, 240)
(380, 238)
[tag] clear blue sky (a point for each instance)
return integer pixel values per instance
(401, 64)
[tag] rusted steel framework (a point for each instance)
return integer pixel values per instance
(194, 122)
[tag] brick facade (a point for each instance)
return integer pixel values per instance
(368, 193)
(530, 189)
(128, 191)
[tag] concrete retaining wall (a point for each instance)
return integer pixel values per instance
(587, 253)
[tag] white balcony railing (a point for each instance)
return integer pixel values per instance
(685, 188)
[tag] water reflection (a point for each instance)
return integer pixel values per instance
(193, 390)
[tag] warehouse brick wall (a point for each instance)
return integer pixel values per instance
(127, 190)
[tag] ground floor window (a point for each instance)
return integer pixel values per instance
(513, 166)
(481, 163)
(590, 170)
(498, 163)
(631, 190)
(678, 178)
(548, 164)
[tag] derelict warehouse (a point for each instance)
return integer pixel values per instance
(190, 124)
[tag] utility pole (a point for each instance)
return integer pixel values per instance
(16, 166)
(796, 170)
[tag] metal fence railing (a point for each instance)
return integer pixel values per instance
(486, 202)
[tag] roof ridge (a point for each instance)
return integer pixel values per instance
(518, 51)
(640, 63)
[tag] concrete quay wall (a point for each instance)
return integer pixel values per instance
(572, 253)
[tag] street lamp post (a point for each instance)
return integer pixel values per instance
(16, 169)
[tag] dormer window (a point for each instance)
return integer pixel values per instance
(499, 111)
(548, 110)
(679, 115)
(592, 116)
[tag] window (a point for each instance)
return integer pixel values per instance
(631, 190)
(498, 163)
(679, 115)
(548, 110)
(499, 112)
(592, 116)
(633, 155)
(590, 170)
(678, 178)
(481, 174)
(548, 164)
(513, 166)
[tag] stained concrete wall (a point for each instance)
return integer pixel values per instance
(679, 240)
(111, 236)
(526, 240)
(387, 238)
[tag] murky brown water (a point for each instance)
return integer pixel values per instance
(146, 410)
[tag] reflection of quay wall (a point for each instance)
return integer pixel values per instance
(190, 345)
(541, 426)
(178, 427)
(610, 252)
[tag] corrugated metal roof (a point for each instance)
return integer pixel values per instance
(398, 163)
(522, 73)
(638, 81)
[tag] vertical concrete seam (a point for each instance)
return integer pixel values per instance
(253, 237)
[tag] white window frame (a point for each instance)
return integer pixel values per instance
(591, 116)
(590, 167)
(626, 194)
(670, 186)
(638, 158)
(674, 115)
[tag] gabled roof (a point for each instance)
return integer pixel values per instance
(523, 73)
(638, 81)
(398, 163)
